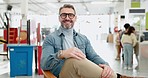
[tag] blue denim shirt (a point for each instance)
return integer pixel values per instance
(53, 43)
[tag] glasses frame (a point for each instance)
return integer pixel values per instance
(70, 15)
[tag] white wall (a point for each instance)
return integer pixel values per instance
(145, 5)
(93, 26)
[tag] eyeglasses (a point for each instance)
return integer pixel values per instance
(64, 15)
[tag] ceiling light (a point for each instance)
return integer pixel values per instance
(100, 2)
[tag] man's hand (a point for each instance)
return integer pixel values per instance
(73, 53)
(107, 71)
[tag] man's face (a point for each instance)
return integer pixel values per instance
(67, 18)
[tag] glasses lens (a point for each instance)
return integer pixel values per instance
(71, 15)
(64, 15)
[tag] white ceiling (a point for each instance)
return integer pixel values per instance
(52, 6)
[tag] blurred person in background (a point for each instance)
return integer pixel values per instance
(128, 41)
(126, 26)
(118, 44)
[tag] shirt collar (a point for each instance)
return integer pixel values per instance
(60, 32)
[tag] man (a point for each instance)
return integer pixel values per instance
(68, 54)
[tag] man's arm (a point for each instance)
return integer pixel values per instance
(49, 58)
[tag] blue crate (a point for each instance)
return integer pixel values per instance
(20, 60)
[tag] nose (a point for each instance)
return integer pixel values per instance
(67, 17)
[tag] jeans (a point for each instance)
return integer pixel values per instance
(128, 55)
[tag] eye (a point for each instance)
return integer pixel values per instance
(63, 15)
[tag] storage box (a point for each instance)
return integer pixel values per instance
(20, 60)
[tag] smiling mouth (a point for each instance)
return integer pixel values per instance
(65, 21)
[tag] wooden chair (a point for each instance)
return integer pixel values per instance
(48, 74)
